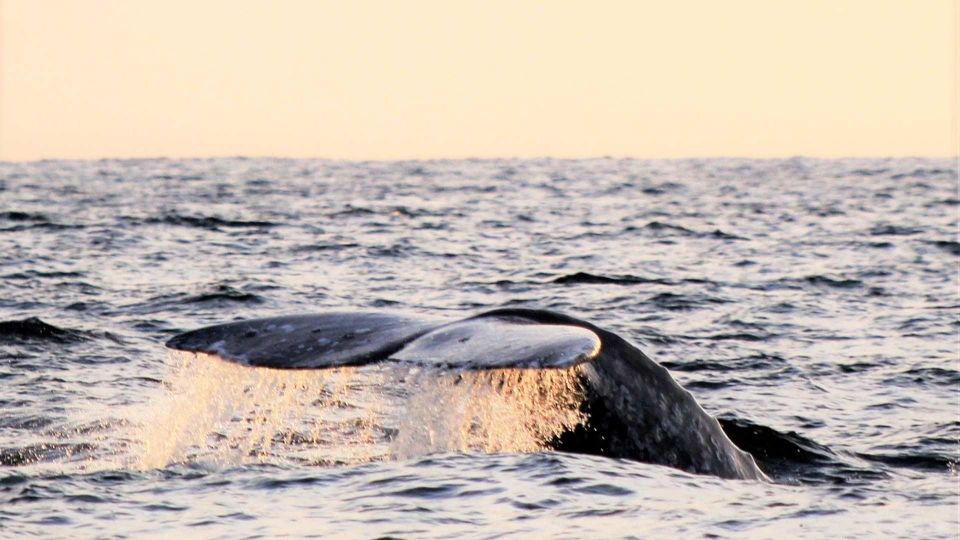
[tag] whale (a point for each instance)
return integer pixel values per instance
(634, 408)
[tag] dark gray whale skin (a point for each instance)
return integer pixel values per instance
(635, 409)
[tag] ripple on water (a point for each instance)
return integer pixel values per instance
(808, 302)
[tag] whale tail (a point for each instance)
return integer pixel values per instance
(636, 409)
(495, 340)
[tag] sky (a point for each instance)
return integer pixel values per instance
(453, 79)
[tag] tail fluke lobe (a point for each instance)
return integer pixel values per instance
(305, 341)
(348, 339)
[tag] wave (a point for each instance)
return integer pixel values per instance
(790, 456)
(324, 247)
(594, 279)
(895, 230)
(31, 274)
(224, 293)
(218, 295)
(46, 452)
(816, 280)
(659, 228)
(921, 461)
(33, 329)
(396, 211)
(759, 361)
(210, 223)
(23, 216)
(949, 246)
(924, 173)
(839, 283)
(682, 302)
(868, 172)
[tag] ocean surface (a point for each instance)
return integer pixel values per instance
(813, 305)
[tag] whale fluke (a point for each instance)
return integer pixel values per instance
(305, 341)
(634, 407)
(348, 339)
(493, 342)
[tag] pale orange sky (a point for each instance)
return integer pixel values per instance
(434, 79)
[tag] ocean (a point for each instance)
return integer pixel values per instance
(813, 305)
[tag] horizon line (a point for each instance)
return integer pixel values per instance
(955, 157)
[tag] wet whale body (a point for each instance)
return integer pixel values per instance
(634, 407)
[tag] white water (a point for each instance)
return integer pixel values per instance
(223, 414)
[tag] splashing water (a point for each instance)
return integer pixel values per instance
(215, 411)
(220, 413)
(502, 410)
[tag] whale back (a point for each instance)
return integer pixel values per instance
(644, 414)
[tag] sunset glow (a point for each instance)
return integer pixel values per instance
(392, 80)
